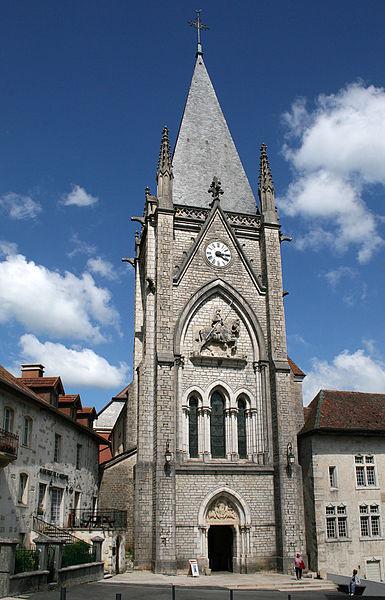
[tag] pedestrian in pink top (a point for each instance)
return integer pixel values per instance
(299, 565)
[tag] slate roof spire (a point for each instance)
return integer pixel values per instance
(266, 190)
(204, 146)
(164, 174)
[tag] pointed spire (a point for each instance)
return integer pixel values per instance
(265, 179)
(164, 162)
(164, 174)
(204, 147)
(266, 190)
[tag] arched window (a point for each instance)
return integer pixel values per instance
(217, 426)
(27, 431)
(193, 428)
(242, 448)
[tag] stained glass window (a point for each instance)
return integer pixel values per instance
(193, 428)
(217, 426)
(242, 451)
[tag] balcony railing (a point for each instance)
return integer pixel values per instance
(97, 519)
(9, 443)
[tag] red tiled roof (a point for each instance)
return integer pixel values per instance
(86, 410)
(42, 382)
(125, 391)
(17, 384)
(295, 368)
(69, 398)
(349, 411)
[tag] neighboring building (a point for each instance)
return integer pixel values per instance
(342, 453)
(219, 406)
(52, 467)
(106, 420)
(117, 474)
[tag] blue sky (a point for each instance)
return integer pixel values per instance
(86, 89)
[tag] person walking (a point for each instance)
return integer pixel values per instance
(299, 565)
(354, 582)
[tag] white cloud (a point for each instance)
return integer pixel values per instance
(76, 367)
(102, 267)
(297, 339)
(80, 247)
(336, 151)
(369, 345)
(355, 371)
(61, 305)
(334, 276)
(7, 248)
(78, 197)
(345, 133)
(20, 207)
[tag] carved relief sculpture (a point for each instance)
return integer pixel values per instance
(221, 510)
(220, 338)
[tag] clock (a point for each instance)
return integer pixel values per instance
(218, 254)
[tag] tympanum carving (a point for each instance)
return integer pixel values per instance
(221, 510)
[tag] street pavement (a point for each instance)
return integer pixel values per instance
(101, 591)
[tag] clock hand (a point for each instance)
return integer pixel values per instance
(221, 255)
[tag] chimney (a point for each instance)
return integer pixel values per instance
(32, 371)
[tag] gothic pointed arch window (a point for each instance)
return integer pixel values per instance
(217, 426)
(241, 428)
(193, 427)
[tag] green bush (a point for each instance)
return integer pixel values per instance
(26, 560)
(76, 554)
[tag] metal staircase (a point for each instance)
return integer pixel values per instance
(51, 531)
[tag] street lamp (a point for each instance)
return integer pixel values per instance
(290, 457)
(167, 457)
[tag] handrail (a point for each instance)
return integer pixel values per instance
(108, 518)
(51, 530)
(9, 442)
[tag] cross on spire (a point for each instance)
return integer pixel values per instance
(199, 26)
(215, 190)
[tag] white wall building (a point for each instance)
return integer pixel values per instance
(342, 453)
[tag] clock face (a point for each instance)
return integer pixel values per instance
(218, 254)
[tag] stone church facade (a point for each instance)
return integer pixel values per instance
(217, 402)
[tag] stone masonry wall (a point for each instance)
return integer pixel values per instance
(117, 491)
(200, 272)
(259, 496)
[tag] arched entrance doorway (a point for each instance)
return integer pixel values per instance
(224, 525)
(220, 547)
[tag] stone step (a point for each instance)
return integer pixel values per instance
(287, 586)
(317, 587)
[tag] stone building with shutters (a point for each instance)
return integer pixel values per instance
(342, 453)
(218, 402)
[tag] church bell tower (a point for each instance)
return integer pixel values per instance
(218, 403)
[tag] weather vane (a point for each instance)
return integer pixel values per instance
(199, 26)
